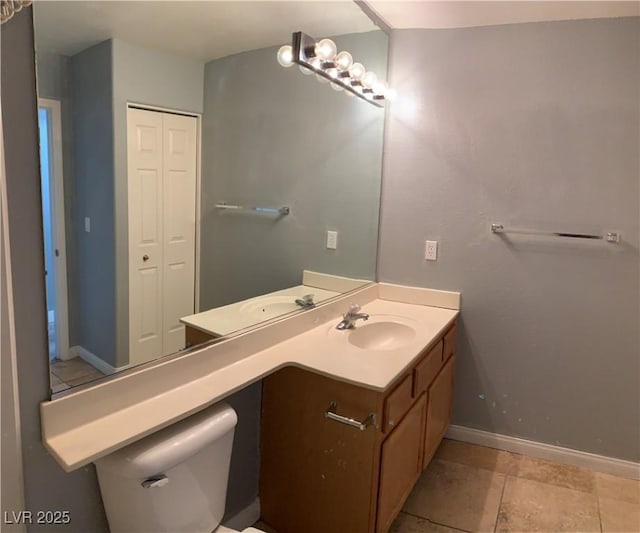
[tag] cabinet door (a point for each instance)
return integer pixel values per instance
(400, 464)
(438, 409)
(316, 474)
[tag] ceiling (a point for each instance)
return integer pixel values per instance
(456, 14)
(209, 30)
(202, 30)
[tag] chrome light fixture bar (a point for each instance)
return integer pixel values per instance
(321, 57)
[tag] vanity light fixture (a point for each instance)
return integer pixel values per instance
(10, 7)
(323, 59)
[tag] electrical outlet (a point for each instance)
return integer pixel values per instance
(431, 250)
(332, 240)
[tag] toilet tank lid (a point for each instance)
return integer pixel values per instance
(172, 445)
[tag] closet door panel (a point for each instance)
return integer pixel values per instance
(179, 207)
(145, 164)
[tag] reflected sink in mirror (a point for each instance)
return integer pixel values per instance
(269, 307)
(379, 333)
(222, 321)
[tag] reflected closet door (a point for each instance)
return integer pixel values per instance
(162, 208)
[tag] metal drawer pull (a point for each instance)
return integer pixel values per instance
(331, 414)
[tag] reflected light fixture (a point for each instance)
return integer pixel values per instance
(322, 58)
(285, 56)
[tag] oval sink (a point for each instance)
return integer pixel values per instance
(269, 306)
(380, 332)
(381, 335)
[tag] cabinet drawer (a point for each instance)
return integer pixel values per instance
(397, 403)
(449, 343)
(427, 369)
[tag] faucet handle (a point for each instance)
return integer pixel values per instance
(308, 298)
(354, 309)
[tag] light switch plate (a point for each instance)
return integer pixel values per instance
(332, 240)
(431, 250)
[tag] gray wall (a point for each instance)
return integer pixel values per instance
(274, 137)
(142, 76)
(55, 82)
(11, 481)
(47, 486)
(530, 125)
(94, 198)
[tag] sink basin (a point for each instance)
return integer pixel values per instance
(380, 333)
(269, 306)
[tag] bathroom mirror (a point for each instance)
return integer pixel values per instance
(193, 187)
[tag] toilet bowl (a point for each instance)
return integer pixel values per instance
(174, 480)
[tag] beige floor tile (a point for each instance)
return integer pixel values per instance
(457, 495)
(619, 516)
(57, 384)
(94, 374)
(71, 369)
(567, 476)
(529, 505)
(479, 456)
(618, 488)
(406, 523)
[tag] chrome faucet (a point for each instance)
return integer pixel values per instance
(306, 302)
(349, 318)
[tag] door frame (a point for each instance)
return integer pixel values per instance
(56, 178)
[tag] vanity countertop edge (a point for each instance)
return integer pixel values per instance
(196, 380)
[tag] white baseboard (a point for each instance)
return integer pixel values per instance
(95, 361)
(599, 463)
(246, 517)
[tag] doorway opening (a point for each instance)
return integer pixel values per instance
(53, 215)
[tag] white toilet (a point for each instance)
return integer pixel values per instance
(174, 480)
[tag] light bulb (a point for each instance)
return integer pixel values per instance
(285, 56)
(344, 61)
(379, 87)
(390, 94)
(333, 72)
(356, 71)
(315, 63)
(369, 79)
(326, 50)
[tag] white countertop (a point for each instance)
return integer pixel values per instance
(86, 425)
(227, 319)
(327, 351)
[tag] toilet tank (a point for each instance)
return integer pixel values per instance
(174, 480)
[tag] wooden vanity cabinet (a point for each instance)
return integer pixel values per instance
(322, 476)
(194, 336)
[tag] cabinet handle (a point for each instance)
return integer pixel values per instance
(331, 414)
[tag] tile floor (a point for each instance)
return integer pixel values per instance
(76, 371)
(472, 488)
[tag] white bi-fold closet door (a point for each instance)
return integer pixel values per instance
(161, 151)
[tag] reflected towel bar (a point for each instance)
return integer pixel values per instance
(266, 210)
(609, 237)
